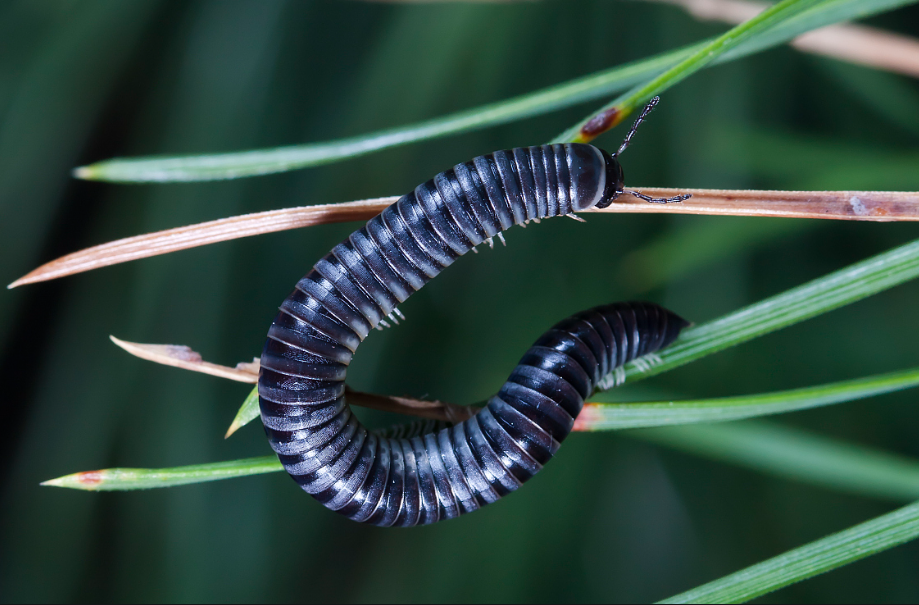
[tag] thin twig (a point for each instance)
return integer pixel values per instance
(838, 205)
(181, 356)
(880, 206)
(211, 232)
(853, 43)
(434, 410)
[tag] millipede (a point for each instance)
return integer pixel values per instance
(389, 481)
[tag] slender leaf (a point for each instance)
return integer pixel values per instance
(762, 32)
(814, 298)
(248, 412)
(265, 161)
(816, 558)
(797, 454)
(613, 113)
(613, 416)
(122, 479)
(773, 449)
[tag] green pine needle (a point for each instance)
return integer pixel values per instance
(808, 561)
(614, 416)
(124, 479)
(819, 296)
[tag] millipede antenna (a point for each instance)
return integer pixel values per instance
(658, 200)
(641, 118)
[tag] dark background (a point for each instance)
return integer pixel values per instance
(612, 518)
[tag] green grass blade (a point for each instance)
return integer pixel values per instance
(248, 412)
(824, 294)
(615, 416)
(792, 453)
(280, 159)
(615, 112)
(776, 450)
(759, 36)
(124, 479)
(265, 161)
(816, 558)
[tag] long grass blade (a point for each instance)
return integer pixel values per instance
(824, 294)
(265, 161)
(816, 558)
(124, 479)
(616, 416)
(186, 168)
(839, 205)
(786, 25)
(773, 449)
(613, 114)
(792, 453)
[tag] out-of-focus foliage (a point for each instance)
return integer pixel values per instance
(612, 518)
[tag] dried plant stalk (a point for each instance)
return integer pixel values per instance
(211, 232)
(839, 205)
(836, 205)
(181, 356)
(853, 43)
(434, 410)
(864, 46)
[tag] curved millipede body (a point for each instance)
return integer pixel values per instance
(440, 475)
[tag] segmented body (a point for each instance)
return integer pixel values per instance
(443, 474)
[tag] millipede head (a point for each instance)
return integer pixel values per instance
(615, 182)
(615, 186)
(595, 176)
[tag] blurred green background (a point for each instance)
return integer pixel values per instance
(613, 518)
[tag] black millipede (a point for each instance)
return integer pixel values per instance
(439, 475)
